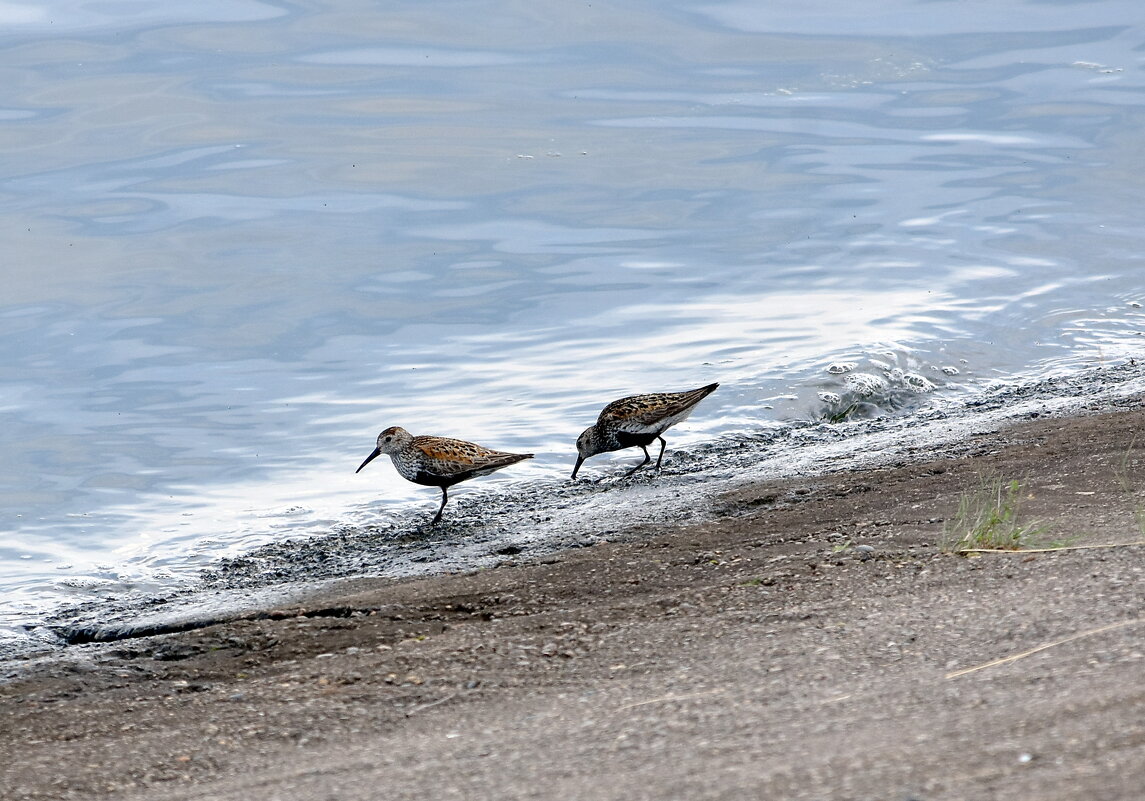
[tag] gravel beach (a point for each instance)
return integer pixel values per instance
(813, 640)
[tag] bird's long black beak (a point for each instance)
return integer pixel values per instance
(377, 452)
(579, 462)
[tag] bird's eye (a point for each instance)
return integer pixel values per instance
(388, 439)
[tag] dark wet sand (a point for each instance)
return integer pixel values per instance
(761, 655)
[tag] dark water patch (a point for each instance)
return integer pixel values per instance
(136, 628)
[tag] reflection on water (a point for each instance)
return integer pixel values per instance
(243, 237)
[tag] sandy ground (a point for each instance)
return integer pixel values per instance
(813, 642)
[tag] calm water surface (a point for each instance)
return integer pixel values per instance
(242, 237)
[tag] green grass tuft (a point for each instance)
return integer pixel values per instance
(1128, 486)
(988, 518)
(839, 413)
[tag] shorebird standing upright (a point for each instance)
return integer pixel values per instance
(637, 421)
(438, 461)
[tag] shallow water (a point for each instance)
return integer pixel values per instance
(244, 237)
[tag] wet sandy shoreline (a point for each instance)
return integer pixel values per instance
(803, 643)
(535, 518)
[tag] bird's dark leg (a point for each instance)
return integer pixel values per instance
(444, 498)
(663, 445)
(647, 459)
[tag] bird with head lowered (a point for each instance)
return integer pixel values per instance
(637, 421)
